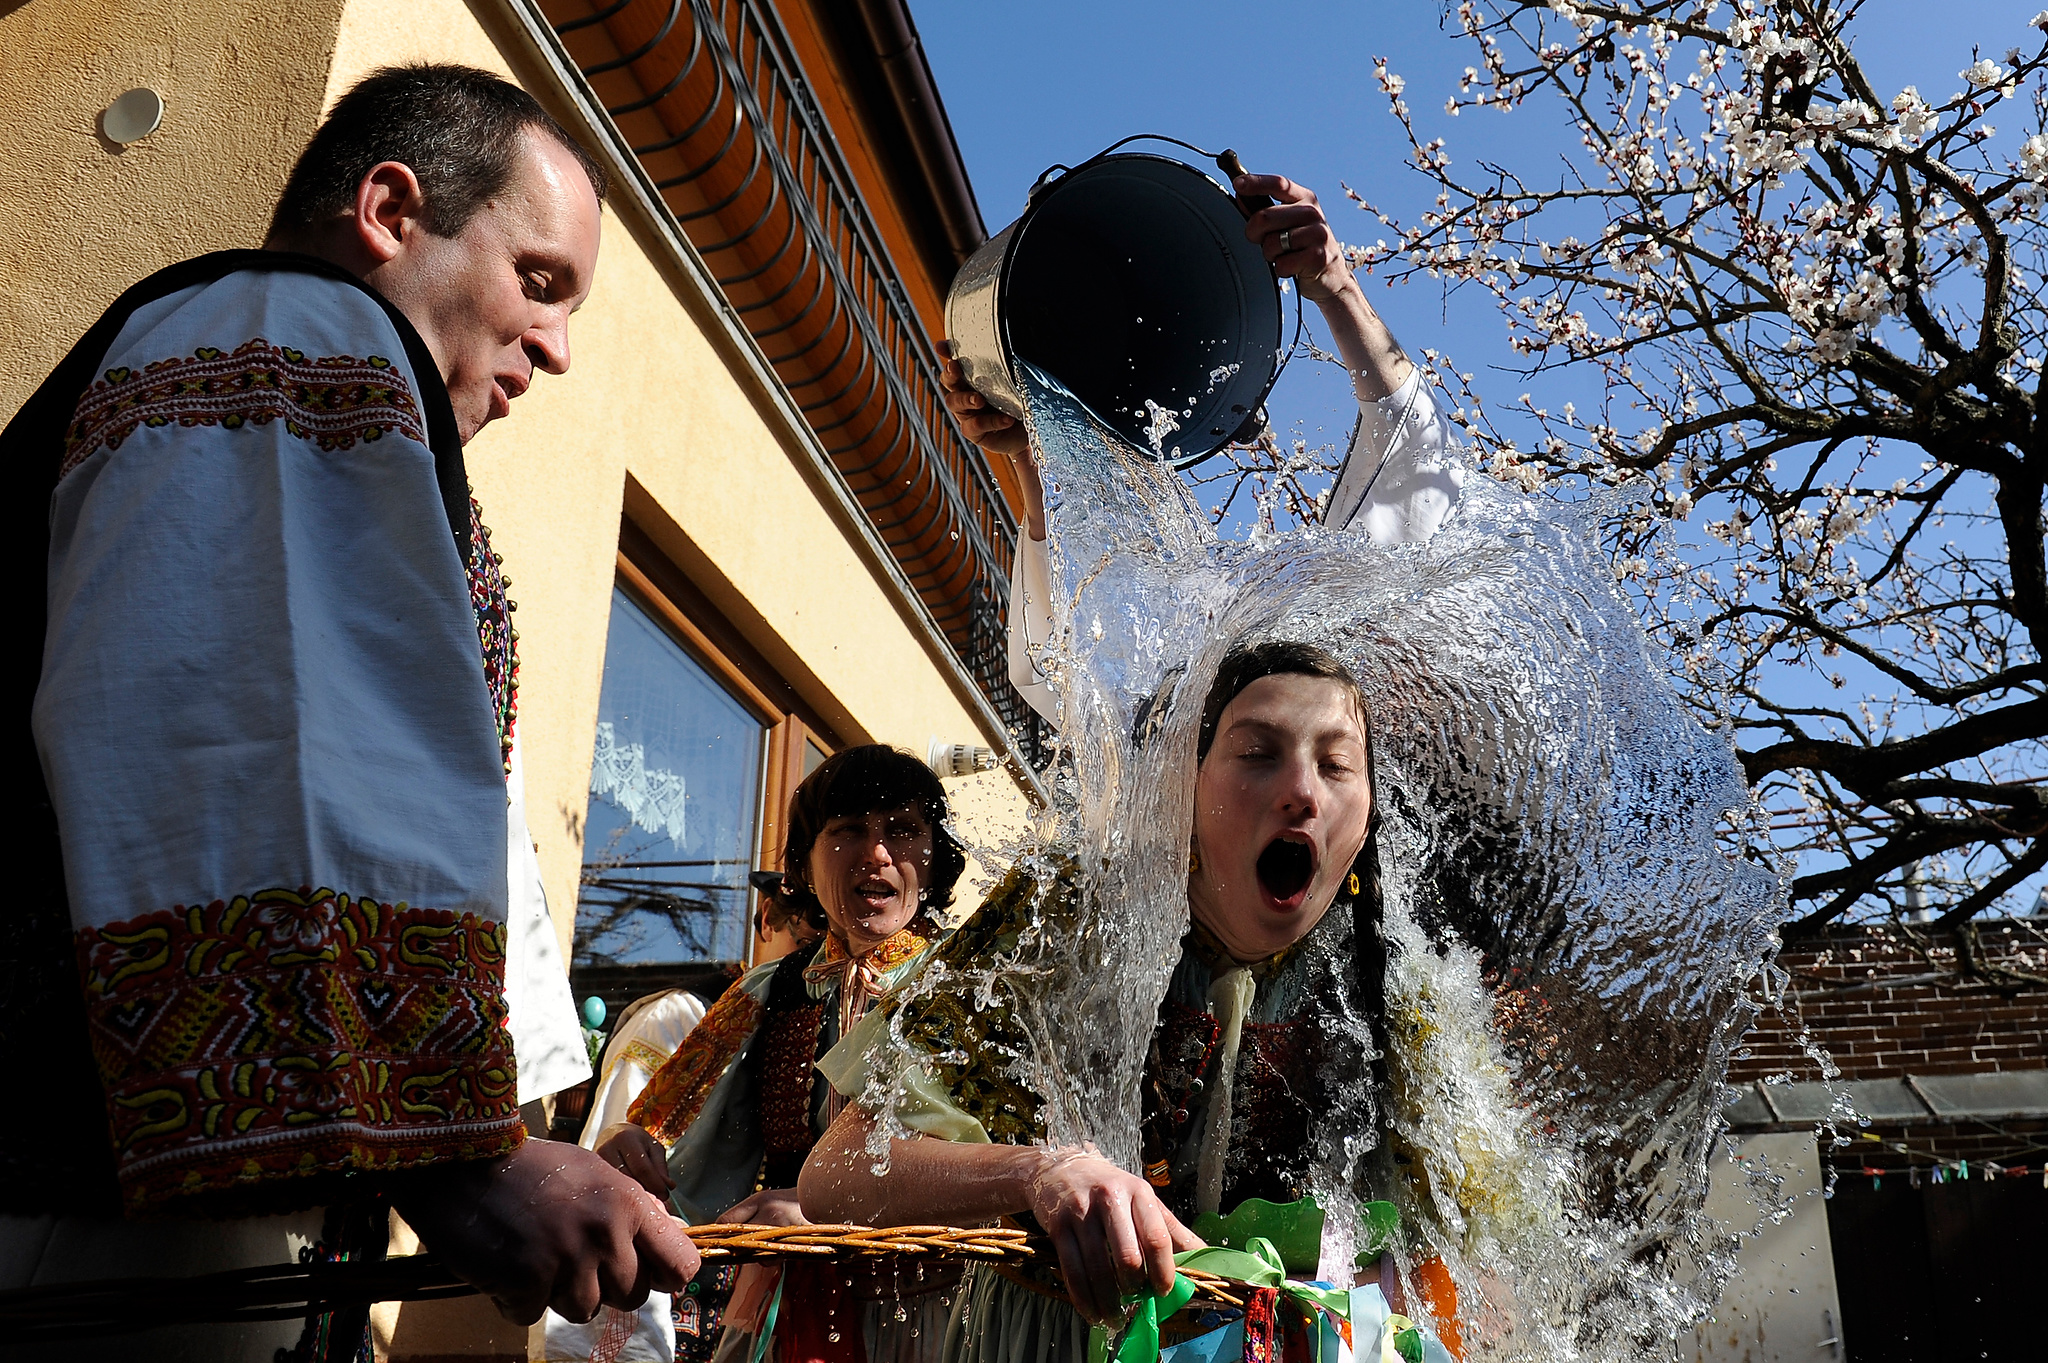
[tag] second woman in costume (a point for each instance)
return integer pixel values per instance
(723, 1127)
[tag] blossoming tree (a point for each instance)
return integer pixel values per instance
(1814, 309)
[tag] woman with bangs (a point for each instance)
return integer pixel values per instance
(1261, 1065)
(724, 1125)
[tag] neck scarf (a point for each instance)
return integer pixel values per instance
(860, 980)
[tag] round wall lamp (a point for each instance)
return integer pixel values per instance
(133, 116)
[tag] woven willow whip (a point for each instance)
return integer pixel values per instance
(293, 1291)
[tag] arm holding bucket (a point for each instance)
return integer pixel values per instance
(1030, 576)
(1396, 485)
(1298, 242)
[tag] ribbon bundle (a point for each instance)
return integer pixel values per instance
(1258, 1265)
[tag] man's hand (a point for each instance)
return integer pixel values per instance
(996, 432)
(769, 1207)
(1113, 1234)
(549, 1225)
(632, 1150)
(1295, 236)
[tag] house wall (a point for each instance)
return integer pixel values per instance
(1781, 1306)
(1865, 996)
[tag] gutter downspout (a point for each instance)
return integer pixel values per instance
(893, 38)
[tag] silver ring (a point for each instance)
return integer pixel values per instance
(1285, 232)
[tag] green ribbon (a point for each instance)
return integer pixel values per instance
(767, 1335)
(1141, 1336)
(1258, 1264)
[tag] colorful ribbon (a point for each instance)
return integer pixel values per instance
(1258, 1264)
(1141, 1336)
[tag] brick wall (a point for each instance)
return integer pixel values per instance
(1881, 1030)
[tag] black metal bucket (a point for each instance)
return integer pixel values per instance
(1128, 279)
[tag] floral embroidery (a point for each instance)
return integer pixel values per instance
(676, 1093)
(332, 400)
(499, 640)
(287, 1033)
(898, 947)
(987, 1048)
(645, 1054)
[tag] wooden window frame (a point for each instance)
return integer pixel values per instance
(660, 587)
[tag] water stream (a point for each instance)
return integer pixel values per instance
(1567, 943)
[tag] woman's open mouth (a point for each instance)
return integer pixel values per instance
(1285, 869)
(877, 895)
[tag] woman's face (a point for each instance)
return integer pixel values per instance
(867, 870)
(1281, 809)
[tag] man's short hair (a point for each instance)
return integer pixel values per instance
(455, 126)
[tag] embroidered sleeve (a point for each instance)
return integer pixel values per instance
(290, 1031)
(277, 756)
(676, 1093)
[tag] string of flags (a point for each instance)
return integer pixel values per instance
(1953, 1171)
(1941, 1170)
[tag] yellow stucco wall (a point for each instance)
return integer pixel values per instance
(86, 218)
(649, 395)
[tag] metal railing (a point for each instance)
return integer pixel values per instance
(754, 175)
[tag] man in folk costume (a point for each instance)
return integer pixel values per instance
(284, 935)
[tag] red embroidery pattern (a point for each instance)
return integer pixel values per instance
(790, 1042)
(288, 1033)
(499, 640)
(676, 1093)
(332, 400)
(1262, 1342)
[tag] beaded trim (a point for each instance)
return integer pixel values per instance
(495, 633)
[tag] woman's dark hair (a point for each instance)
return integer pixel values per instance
(1248, 663)
(867, 780)
(455, 126)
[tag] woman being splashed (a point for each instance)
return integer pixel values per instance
(1261, 1061)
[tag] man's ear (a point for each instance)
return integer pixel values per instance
(389, 209)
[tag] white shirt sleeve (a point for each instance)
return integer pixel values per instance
(1031, 624)
(547, 1032)
(1399, 481)
(1398, 484)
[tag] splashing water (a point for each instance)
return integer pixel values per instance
(1160, 422)
(1566, 943)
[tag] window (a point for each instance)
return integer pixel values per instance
(675, 803)
(699, 745)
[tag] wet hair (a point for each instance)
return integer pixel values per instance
(455, 126)
(1248, 663)
(869, 779)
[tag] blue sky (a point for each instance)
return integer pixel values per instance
(1291, 88)
(1029, 84)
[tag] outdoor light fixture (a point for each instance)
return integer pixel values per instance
(958, 759)
(133, 116)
